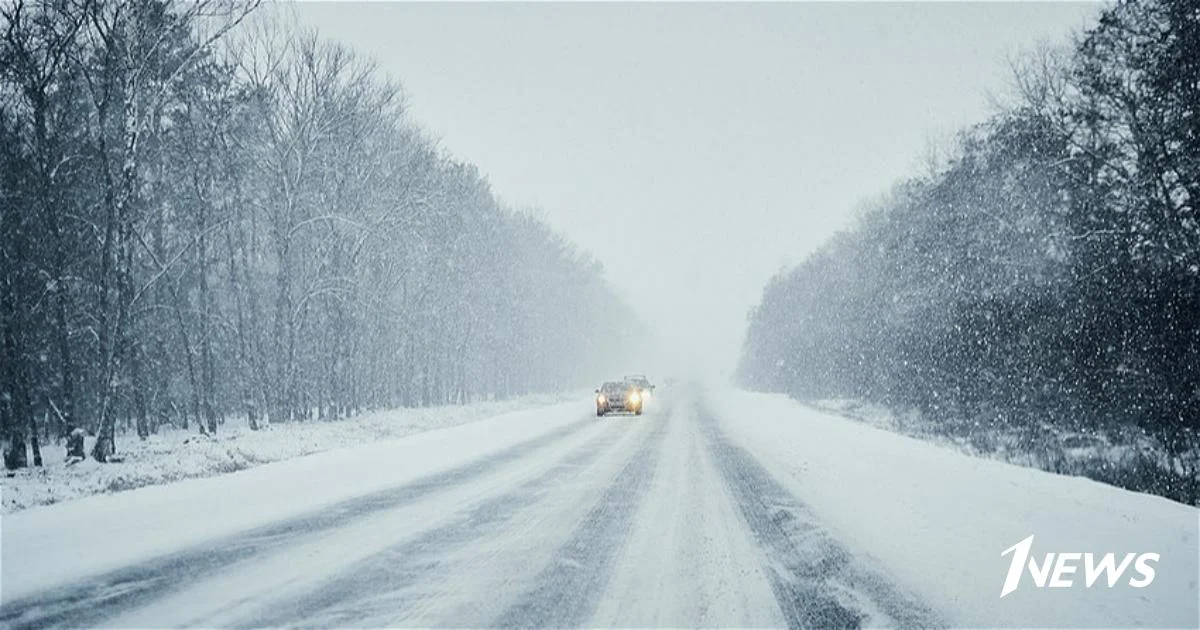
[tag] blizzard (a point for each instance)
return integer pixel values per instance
(719, 507)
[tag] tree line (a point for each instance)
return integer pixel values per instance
(1048, 274)
(204, 214)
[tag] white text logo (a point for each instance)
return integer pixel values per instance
(1060, 570)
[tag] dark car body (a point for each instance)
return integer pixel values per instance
(615, 396)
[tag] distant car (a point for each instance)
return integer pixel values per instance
(616, 396)
(642, 383)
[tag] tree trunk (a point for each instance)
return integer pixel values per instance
(34, 445)
(206, 358)
(139, 392)
(12, 330)
(21, 411)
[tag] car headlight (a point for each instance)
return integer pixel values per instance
(601, 399)
(634, 397)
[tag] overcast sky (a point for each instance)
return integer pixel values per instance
(696, 149)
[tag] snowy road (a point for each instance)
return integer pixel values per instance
(682, 517)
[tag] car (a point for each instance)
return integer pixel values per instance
(642, 383)
(616, 396)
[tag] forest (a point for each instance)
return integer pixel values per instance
(206, 213)
(1041, 280)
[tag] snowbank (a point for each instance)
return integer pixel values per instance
(938, 519)
(1126, 457)
(174, 455)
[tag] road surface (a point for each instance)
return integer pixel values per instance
(716, 508)
(657, 520)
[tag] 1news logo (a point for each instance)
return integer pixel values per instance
(1058, 570)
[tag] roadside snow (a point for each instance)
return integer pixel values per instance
(174, 455)
(1116, 455)
(42, 547)
(938, 520)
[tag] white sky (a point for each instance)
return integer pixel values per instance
(695, 149)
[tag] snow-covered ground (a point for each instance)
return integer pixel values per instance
(52, 545)
(716, 508)
(173, 455)
(938, 519)
(689, 559)
(1122, 456)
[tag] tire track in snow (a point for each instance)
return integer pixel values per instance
(371, 593)
(689, 560)
(817, 582)
(569, 590)
(90, 602)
